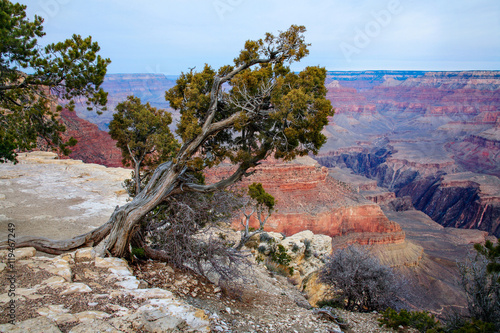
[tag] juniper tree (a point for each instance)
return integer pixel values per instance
(143, 135)
(33, 79)
(242, 113)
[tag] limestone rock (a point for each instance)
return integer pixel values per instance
(19, 254)
(35, 325)
(85, 254)
(76, 288)
(95, 326)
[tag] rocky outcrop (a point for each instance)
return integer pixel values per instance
(309, 199)
(392, 166)
(82, 292)
(57, 199)
(94, 145)
(479, 153)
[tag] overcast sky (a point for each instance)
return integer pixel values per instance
(167, 36)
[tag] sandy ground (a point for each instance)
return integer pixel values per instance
(57, 199)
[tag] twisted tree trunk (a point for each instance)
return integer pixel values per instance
(165, 182)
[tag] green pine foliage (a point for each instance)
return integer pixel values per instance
(142, 133)
(267, 108)
(257, 192)
(492, 253)
(34, 79)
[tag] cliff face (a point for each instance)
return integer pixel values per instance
(403, 129)
(480, 152)
(462, 200)
(94, 145)
(309, 199)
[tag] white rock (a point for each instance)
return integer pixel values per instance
(88, 316)
(60, 267)
(117, 266)
(94, 326)
(129, 283)
(63, 318)
(50, 310)
(87, 253)
(25, 291)
(54, 280)
(152, 293)
(119, 310)
(25, 252)
(76, 288)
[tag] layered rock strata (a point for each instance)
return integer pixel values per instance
(462, 200)
(309, 199)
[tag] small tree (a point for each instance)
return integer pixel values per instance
(360, 281)
(34, 79)
(143, 136)
(260, 202)
(492, 253)
(482, 286)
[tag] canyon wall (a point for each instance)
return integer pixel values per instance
(309, 199)
(94, 145)
(407, 130)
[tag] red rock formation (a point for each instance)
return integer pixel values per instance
(94, 145)
(309, 199)
(480, 152)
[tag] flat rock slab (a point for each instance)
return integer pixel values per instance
(57, 199)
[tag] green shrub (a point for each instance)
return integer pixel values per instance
(139, 253)
(422, 321)
(333, 303)
(264, 237)
(307, 251)
(295, 248)
(277, 269)
(259, 259)
(460, 324)
(279, 255)
(476, 326)
(262, 249)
